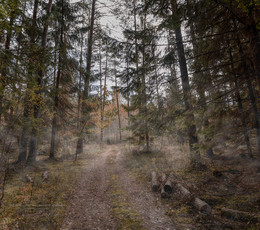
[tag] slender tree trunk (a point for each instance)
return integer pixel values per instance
(101, 95)
(139, 80)
(25, 131)
(136, 51)
(79, 90)
(251, 92)
(240, 106)
(87, 79)
(104, 97)
(56, 91)
(255, 48)
(157, 87)
(191, 127)
(201, 90)
(144, 104)
(117, 105)
(128, 96)
(34, 135)
(79, 94)
(143, 88)
(4, 70)
(174, 86)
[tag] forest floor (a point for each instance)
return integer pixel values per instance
(114, 191)
(107, 197)
(109, 187)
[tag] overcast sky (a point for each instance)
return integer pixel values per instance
(108, 20)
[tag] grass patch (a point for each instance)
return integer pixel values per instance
(182, 214)
(141, 164)
(127, 216)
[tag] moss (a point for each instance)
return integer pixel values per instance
(181, 214)
(242, 203)
(127, 217)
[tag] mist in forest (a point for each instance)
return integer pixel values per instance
(139, 114)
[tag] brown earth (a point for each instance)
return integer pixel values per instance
(95, 204)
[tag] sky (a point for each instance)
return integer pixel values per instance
(110, 22)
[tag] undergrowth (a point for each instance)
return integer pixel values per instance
(225, 191)
(40, 204)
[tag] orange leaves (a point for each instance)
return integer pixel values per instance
(25, 194)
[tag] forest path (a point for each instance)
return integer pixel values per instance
(107, 197)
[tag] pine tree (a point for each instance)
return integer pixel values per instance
(85, 108)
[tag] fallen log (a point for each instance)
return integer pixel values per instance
(155, 182)
(199, 204)
(184, 192)
(239, 215)
(202, 206)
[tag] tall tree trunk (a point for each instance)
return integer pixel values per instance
(128, 94)
(201, 89)
(80, 141)
(4, 69)
(157, 87)
(251, 93)
(25, 131)
(34, 135)
(174, 86)
(56, 90)
(117, 105)
(191, 127)
(143, 87)
(144, 103)
(79, 89)
(140, 80)
(104, 97)
(255, 48)
(101, 95)
(240, 105)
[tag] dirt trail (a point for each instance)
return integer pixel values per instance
(91, 207)
(145, 202)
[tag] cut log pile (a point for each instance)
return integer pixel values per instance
(169, 185)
